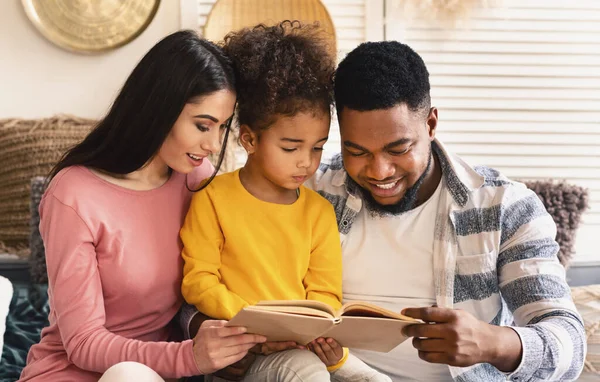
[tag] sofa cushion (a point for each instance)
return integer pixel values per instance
(565, 203)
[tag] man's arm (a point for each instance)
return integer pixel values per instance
(548, 341)
(533, 284)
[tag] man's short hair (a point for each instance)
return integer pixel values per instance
(380, 75)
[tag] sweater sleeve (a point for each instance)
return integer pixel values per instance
(76, 297)
(532, 282)
(202, 244)
(323, 281)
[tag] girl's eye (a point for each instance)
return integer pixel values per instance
(202, 128)
(288, 150)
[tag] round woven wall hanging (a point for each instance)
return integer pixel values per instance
(91, 26)
(230, 15)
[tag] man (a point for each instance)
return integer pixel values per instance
(461, 247)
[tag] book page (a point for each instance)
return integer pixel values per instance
(307, 307)
(299, 310)
(365, 309)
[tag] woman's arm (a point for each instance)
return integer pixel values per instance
(77, 300)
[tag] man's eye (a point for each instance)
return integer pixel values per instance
(202, 128)
(318, 149)
(288, 150)
(399, 152)
(356, 154)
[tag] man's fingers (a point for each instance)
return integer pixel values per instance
(428, 345)
(426, 330)
(430, 314)
(433, 357)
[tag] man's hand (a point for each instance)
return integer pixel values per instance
(328, 350)
(457, 338)
(273, 347)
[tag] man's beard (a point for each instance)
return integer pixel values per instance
(407, 203)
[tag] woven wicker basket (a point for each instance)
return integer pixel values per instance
(30, 148)
(587, 301)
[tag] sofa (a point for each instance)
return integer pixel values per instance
(29, 305)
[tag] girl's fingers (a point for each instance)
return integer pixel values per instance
(328, 351)
(319, 352)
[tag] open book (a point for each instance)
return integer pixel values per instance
(358, 325)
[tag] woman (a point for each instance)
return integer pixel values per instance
(110, 219)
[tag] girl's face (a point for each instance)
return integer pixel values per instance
(289, 151)
(197, 131)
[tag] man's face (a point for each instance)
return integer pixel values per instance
(387, 151)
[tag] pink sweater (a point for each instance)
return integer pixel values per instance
(114, 271)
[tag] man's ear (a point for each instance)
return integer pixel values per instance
(432, 120)
(248, 139)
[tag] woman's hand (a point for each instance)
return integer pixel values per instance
(217, 346)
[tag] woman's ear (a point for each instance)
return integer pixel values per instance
(248, 139)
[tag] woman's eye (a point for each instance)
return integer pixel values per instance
(202, 128)
(318, 149)
(288, 150)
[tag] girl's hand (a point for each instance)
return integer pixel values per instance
(328, 350)
(273, 347)
(217, 346)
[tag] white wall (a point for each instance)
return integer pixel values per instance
(39, 79)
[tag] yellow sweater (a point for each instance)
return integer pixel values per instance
(239, 250)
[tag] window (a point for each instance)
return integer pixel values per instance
(518, 88)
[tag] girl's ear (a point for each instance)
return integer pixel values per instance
(248, 139)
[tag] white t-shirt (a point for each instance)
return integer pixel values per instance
(388, 261)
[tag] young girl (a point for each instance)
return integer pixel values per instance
(257, 233)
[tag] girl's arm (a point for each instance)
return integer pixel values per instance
(323, 281)
(202, 244)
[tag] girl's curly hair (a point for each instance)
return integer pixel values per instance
(280, 70)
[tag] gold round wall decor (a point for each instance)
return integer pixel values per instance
(91, 26)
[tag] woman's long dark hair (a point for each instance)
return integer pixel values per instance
(178, 68)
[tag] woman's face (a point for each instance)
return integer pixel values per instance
(197, 132)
